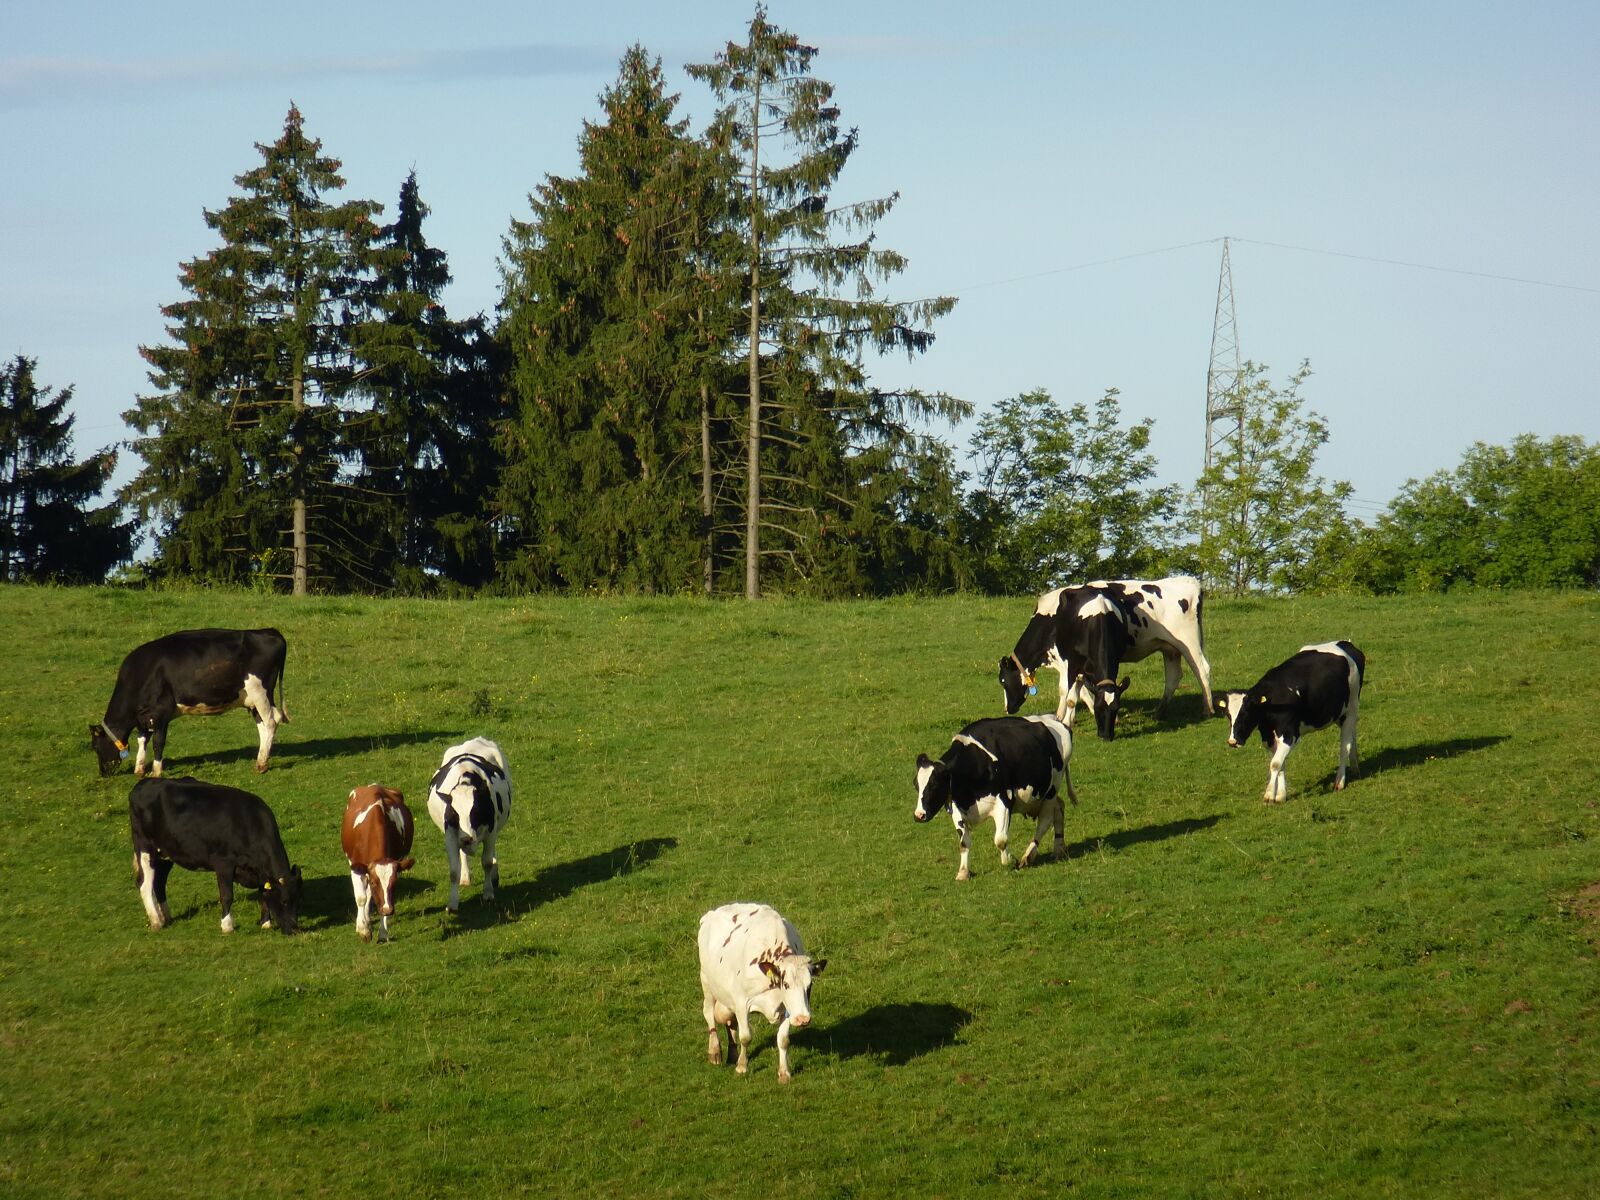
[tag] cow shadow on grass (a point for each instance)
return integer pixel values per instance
(315, 748)
(1396, 758)
(892, 1033)
(551, 884)
(329, 901)
(1123, 838)
(1181, 712)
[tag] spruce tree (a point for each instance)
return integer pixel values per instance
(824, 450)
(606, 330)
(243, 441)
(425, 467)
(48, 531)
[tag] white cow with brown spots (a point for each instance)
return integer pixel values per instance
(752, 959)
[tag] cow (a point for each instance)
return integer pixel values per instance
(376, 835)
(469, 798)
(997, 767)
(1311, 690)
(197, 671)
(751, 958)
(1086, 633)
(208, 827)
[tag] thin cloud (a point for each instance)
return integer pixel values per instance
(27, 81)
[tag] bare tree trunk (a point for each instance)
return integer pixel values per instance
(752, 527)
(706, 529)
(301, 553)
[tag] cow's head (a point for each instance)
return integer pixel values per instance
(384, 877)
(791, 974)
(1016, 683)
(107, 749)
(283, 894)
(1107, 704)
(1242, 712)
(933, 788)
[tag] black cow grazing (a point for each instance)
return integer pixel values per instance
(198, 671)
(208, 827)
(1086, 633)
(1318, 686)
(997, 767)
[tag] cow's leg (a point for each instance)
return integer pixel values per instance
(225, 897)
(714, 1021)
(742, 1012)
(145, 877)
(363, 893)
(1349, 758)
(1173, 666)
(1196, 658)
(962, 873)
(158, 747)
(491, 868)
(163, 868)
(783, 1050)
(453, 856)
(260, 706)
(1002, 833)
(1277, 781)
(138, 758)
(1050, 817)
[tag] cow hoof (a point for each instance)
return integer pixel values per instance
(1338, 785)
(963, 875)
(261, 768)
(783, 1077)
(364, 934)
(741, 1069)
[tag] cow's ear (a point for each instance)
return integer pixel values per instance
(1123, 686)
(295, 872)
(94, 733)
(393, 795)
(405, 864)
(818, 967)
(923, 761)
(770, 969)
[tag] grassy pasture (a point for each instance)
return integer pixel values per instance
(1392, 990)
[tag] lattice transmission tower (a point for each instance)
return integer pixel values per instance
(1224, 411)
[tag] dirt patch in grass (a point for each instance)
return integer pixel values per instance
(1586, 907)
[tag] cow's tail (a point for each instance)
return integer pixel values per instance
(280, 711)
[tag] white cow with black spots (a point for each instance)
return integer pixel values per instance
(752, 959)
(469, 798)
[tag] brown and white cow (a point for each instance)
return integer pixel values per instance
(751, 958)
(377, 837)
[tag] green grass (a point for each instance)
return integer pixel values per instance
(1382, 991)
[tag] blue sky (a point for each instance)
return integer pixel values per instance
(1066, 170)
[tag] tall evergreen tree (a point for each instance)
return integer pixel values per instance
(245, 434)
(822, 448)
(48, 531)
(423, 447)
(605, 324)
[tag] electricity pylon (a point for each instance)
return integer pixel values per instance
(1224, 415)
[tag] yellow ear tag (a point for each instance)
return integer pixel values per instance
(267, 886)
(1261, 699)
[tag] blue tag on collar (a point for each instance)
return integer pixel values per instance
(1032, 690)
(123, 754)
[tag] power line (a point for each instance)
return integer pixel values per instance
(1099, 262)
(1416, 266)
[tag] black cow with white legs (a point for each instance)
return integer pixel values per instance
(197, 671)
(1086, 634)
(208, 827)
(999, 767)
(1317, 687)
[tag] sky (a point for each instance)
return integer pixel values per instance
(1411, 191)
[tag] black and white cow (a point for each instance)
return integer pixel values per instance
(469, 798)
(198, 671)
(997, 767)
(1318, 686)
(1085, 634)
(207, 827)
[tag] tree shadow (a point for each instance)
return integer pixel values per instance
(892, 1033)
(551, 884)
(318, 748)
(1124, 838)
